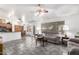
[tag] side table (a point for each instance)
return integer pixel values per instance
(64, 40)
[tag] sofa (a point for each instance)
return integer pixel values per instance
(52, 37)
(73, 46)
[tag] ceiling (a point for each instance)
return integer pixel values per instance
(55, 11)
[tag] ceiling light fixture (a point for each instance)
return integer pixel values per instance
(40, 11)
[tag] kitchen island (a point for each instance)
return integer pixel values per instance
(9, 36)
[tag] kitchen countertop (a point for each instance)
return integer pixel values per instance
(8, 32)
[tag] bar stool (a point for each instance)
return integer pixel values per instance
(1, 46)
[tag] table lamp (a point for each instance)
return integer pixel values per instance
(66, 29)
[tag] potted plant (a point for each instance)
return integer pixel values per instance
(77, 35)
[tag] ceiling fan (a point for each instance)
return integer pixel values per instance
(40, 10)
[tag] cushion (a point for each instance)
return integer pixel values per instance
(76, 40)
(74, 52)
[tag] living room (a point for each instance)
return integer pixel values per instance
(39, 29)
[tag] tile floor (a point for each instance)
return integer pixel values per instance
(27, 46)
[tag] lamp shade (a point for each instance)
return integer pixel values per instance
(65, 28)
